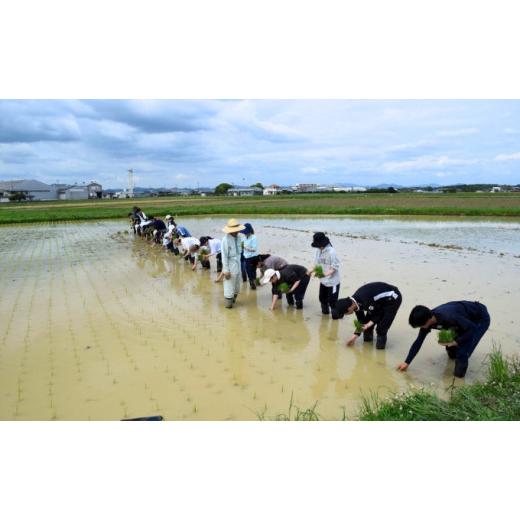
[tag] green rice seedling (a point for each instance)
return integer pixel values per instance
(203, 252)
(318, 271)
(446, 336)
(359, 326)
(283, 287)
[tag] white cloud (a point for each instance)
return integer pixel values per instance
(310, 169)
(508, 157)
(426, 162)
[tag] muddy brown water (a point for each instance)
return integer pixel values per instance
(97, 324)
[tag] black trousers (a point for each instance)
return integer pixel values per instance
(384, 321)
(328, 296)
(299, 293)
(207, 265)
(251, 264)
(463, 352)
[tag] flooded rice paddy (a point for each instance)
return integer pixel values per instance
(97, 324)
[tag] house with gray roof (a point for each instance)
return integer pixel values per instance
(34, 190)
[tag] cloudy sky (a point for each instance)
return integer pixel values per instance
(190, 143)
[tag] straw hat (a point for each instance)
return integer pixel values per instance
(233, 226)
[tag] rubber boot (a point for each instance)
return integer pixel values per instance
(325, 308)
(235, 298)
(368, 335)
(229, 303)
(252, 285)
(299, 304)
(461, 365)
(381, 342)
(290, 299)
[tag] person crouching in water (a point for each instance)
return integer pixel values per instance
(231, 250)
(169, 234)
(250, 249)
(214, 245)
(159, 229)
(375, 305)
(271, 262)
(327, 259)
(185, 246)
(469, 321)
(296, 280)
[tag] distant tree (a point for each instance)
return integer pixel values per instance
(257, 185)
(18, 196)
(391, 189)
(222, 188)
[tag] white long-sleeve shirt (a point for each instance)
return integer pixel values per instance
(328, 259)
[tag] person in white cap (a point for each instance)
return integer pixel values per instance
(295, 278)
(168, 236)
(231, 249)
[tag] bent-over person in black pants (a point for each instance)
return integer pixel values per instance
(376, 305)
(297, 279)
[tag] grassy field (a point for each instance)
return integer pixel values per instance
(449, 204)
(495, 399)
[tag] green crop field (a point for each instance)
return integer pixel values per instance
(449, 204)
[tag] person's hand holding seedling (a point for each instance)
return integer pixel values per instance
(227, 275)
(402, 366)
(359, 328)
(318, 271)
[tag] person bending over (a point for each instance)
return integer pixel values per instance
(468, 320)
(375, 305)
(292, 279)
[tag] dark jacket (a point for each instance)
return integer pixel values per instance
(372, 299)
(290, 274)
(159, 225)
(462, 316)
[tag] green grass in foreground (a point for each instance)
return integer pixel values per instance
(491, 205)
(495, 399)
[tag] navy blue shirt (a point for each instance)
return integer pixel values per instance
(159, 225)
(463, 317)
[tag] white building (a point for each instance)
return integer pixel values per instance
(75, 192)
(305, 188)
(274, 189)
(244, 192)
(349, 189)
(95, 190)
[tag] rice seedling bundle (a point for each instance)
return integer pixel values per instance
(204, 251)
(283, 287)
(446, 336)
(359, 326)
(318, 271)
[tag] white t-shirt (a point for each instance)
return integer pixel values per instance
(215, 246)
(187, 242)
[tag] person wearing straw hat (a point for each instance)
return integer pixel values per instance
(231, 249)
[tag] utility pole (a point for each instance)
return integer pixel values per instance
(130, 183)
